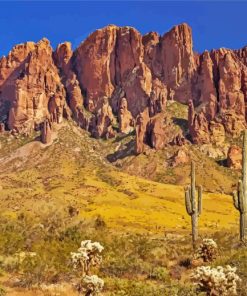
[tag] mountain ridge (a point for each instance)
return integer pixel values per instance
(117, 81)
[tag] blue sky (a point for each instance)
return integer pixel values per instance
(214, 23)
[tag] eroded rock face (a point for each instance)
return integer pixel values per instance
(30, 87)
(2, 127)
(118, 71)
(103, 121)
(141, 128)
(217, 132)
(46, 132)
(158, 97)
(109, 58)
(162, 132)
(198, 125)
(125, 118)
(234, 157)
(222, 91)
(63, 60)
(178, 61)
(181, 157)
(94, 66)
(156, 132)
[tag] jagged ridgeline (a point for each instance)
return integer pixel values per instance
(118, 80)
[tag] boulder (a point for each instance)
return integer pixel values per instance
(180, 157)
(234, 157)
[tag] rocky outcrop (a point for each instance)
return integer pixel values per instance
(161, 132)
(178, 62)
(234, 157)
(2, 127)
(101, 125)
(158, 97)
(110, 58)
(180, 157)
(220, 95)
(157, 132)
(63, 60)
(30, 86)
(46, 133)
(125, 118)
(118, 73)
(217, 132)
(171, 59)
(141, 129)
(198, 125)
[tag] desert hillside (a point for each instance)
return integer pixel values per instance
(54, 195)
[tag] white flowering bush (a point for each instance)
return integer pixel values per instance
(217, 281)
(92, 285)
(88, 255)
(207, 251)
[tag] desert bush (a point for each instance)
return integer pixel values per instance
(217, 281)
(124, 287)
(99, 223)
(207, 250)
(160, 274)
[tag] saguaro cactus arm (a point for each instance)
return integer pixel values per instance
(199, 200)
(188, 200)
(235, 200)
(244, 164)
(241, 197)
(193, 186)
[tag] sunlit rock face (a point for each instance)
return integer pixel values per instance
(31, 89)
(118, 81)
(220, 96)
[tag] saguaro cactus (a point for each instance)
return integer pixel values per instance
(240, 196)
(193, 206)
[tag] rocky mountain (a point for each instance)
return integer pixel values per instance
(118, 81)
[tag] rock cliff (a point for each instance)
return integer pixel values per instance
(118, 81)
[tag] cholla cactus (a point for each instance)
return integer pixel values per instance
(207, 251)
(87, 255)
(92, 285)
(217, 281)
